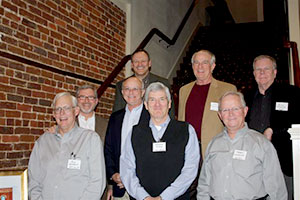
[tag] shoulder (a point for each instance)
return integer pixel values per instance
(154, 78)
(187, 86)
(225, 85)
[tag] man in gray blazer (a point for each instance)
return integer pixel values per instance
(141, 66)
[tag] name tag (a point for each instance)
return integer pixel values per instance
(214, 106)
(159, 147)
(282, 106)
(74, 164)
(239, 155)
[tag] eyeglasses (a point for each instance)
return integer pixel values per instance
(131, 89)
(66, 109)
(91, 98)
(227, 110)
(204, 63)
(265, 69)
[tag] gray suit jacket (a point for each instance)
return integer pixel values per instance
(120, 103)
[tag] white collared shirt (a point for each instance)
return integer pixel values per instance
(89, 123)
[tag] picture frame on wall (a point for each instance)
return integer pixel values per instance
(13, 185)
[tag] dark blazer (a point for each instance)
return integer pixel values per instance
(112, 146)
(281, 121)
(120, 102)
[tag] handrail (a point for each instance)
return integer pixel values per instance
(295, 58)
(142, 45)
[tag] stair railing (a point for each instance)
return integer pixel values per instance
(142, 45)
(295, 60)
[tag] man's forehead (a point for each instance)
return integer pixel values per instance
(202, 55)
(133, 82)
(64, 100)
(139, 55)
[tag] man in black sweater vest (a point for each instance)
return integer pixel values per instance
(161, 156)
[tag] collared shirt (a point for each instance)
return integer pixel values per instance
(260, 113)
(50, 174)
(181, 183)
(131, 118)
(89, 123)
(245, 167)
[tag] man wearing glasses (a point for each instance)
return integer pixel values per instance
(68, 164)
(87, 101)
(240, 163)
(119, 126)
(274, 107)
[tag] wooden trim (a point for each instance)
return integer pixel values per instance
(49, 68)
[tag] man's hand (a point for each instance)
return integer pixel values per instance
(51, 129)
(110, 194)
(268, 133)
(117, 179)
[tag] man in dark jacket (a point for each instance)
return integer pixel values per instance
(272, 109)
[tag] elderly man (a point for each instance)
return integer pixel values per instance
(119, 126)
(240, 163)
(198, 102)
(70, 163)
(140, 65)
(198, 99)
(273, 109)
(161, 156)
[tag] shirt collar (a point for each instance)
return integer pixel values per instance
(134, 109)
(66, 135)
(239, 133)
(164, 124)
(83, 117)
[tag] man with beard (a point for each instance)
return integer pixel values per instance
(87, 101)
(141, 66)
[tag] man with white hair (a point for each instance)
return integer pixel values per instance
(161, 156)
(68, 164)
(240, 163)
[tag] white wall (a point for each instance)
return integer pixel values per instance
(166, 16)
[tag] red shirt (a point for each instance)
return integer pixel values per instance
(195, 107)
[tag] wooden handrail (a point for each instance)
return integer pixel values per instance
(295, 58)
(142, 45)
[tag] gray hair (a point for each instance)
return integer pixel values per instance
(157, 86)
(61, 94)
(83, 87)
(274, 64)
(240, 95)
(213, 57)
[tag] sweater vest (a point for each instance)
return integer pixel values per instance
(157, 170)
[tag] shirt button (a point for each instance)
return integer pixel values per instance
(225, 190)
(227, 176)
(55, 187)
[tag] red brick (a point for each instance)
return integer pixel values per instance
(6, 130)
(8, 105)
(27, 138)
(15, 50)
(5, 147)
(23, 91)
(8, 164)
(22, 130)
(21, 146)
(29, 115)
(23, 162)
(38, 94)
(10, 138)
(14, 155)
(12, 114)
(24, 107)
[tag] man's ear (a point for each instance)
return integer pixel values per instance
(146, 105)
(77, 110)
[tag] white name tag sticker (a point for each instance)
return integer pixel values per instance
(239, 155)
(214, 106)
(282, 106)
(159, 147)
(74, 164)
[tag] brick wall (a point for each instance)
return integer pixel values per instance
(85, 37)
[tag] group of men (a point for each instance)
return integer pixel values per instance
(150, 155)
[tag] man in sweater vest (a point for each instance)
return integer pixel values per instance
(161, 157)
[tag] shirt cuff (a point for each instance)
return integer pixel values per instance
(166, 194)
